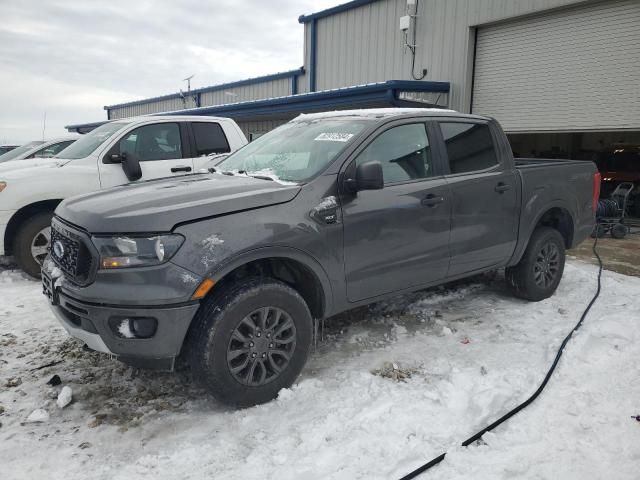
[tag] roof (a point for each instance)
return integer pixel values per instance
(382, 94)
(372, 95)
(334, 10)
(376, 112)
(87, 127)
(213, 88)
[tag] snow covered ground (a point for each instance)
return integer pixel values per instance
(464, 354)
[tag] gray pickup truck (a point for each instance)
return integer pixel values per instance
(232, 268)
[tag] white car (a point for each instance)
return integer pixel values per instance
(37, 149)
(118, 152)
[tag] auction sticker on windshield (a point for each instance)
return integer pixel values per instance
(333, 137)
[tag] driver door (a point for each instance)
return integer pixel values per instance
(160, 148)
(397, 237)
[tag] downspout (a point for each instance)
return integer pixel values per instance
(312, 59)
(294, 84)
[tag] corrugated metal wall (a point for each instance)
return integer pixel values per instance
(573, 70)
(256, 91)
(269, 89)
(166, 105)
(365, 44)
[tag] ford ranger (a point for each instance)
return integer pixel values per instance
(232, 268)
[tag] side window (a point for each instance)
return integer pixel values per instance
(469, 146)
(209, 138)
(403, 151)
(52, 150)
(160, 141)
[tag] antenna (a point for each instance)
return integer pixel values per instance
(188, 80)
(44, 124)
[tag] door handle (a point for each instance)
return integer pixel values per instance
(180, 169)
(432, 200)
(502, 187)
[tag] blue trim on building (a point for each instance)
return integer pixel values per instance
(360, 96)
(84, 127)
(213, 88)
(333, 10)
(384, 92)
(313, 55)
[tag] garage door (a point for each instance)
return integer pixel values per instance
(570, 70)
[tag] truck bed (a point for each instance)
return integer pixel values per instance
(546, 162)
(548, 183)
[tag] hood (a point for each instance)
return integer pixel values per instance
(21, 164)
(159, 205)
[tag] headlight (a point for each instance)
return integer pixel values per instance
(122, 252)
(3, 185)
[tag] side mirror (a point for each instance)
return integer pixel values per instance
(131, 166)
(368, 177)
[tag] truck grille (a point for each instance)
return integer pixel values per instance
(70, 253)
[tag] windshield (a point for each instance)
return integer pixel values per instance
(295, 152)
(89, 142)
(16, 152)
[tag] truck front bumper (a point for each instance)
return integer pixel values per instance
(107, 329)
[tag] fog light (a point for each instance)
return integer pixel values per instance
(134, 327)
(144, 327)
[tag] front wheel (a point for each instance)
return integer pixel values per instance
(540, 269)
(250, 340)
(31, 243)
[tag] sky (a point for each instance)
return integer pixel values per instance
(69, 58)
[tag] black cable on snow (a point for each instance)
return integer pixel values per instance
(528, 401)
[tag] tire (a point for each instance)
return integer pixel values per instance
(35, 229)
(530, 278)
(619, 231)
(214, 345)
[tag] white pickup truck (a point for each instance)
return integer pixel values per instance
(115, 153)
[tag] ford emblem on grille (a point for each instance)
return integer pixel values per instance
(58, 249)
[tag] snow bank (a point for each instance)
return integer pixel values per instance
(341, 421)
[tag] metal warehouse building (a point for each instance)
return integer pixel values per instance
(562, 76)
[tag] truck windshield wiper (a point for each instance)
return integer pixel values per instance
(261, 177)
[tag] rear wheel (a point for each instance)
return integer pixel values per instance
(31, 243)
(250, 340)
(540, 269)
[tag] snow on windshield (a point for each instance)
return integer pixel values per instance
(295, 152)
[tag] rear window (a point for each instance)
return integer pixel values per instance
(209, 138)
(469, 146)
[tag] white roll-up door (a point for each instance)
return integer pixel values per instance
(570, 70)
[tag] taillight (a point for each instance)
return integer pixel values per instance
(596, 191)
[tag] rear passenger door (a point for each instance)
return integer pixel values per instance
(162, 149)
(484, 209)
(208, 139)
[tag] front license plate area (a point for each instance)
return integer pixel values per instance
(48, 288)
